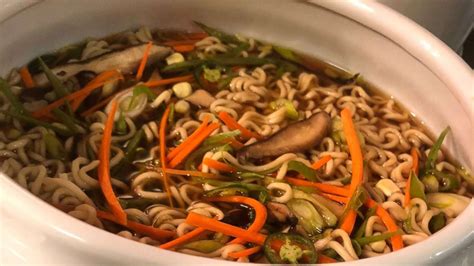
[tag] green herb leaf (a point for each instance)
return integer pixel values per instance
(12, 98)
(139, 90)
(433, 155)
(54, 147)
(375, 238)
(306, 171)
(416, 187)
(286, 53)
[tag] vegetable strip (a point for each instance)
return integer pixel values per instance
(96, 83)
(335, 198)
(245, 252)
(186, 142)
(162, 82)
(325, 259)
(162, 135)
(104, 169)
(227, 229)
(233, 125)
(26, 78)
(340, 191)
(147, 230)
(142, 65)
(259, 208)
(219, 166)
(184, 48)
(397, 242)
(193, 145)
(321, 162)
(190, 173)
(184, 238)
(357, 165)
(414, 156)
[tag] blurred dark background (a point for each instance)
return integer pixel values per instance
(468, 51)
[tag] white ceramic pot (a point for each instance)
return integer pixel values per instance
(390, 51)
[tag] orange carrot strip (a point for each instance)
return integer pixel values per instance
(189, 173)
(259, 208)
(162, 134)
(414, 155)
(26, 77)
(245, 252)
(340, 191)
(354, 149)
(219, 166)
(236, 144)
(321, 162)
(349, 221)
(193, 145)
(104, 169)
(184, 48)
(335, 198)
(325, 259)
(186, 142)
(397, 241)
(230, 122)
(142, 65)
(227, 229)
(357, 165)
(183, 239)
(147, 230)
(162, 82)
(96, 83)
(97, 106)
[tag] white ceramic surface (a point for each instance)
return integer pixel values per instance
(406, 61)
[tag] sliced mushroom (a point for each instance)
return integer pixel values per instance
(279, 211)
(201, 98)
(126, 61)
(297, 137)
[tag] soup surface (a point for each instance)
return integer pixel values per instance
(222, 146)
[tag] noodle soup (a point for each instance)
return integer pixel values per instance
(222, 146)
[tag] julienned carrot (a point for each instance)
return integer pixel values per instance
(335, 198)
(233, 125)
(348, 221)
(186, 142)
(147, 230)
(26, 77)
(354, 149)
(189, 173)
(162, 134)
(235, 143)
(183, 239)
(397, 241)
(259, 208)
(340, 191)
(245, 252)
(357, 165)
(325, 259)
(193, 145)
(321, 162)
(227, 229)
(161, 82)
(414, 156)
(96, 83)
(184, 48)
(219, 166)
(104, 169)
(142, 65)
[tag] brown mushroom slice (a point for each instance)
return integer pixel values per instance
(297, 137)
(126, 60)
(201, 98)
